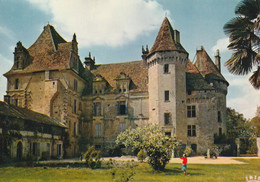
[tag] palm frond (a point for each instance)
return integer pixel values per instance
(248, 8)
(238, 24)
(241, 62)
(255, 78)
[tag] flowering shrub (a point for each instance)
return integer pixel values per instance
(92, 158)
(151, 139)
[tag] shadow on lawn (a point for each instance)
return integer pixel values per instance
(179, 171)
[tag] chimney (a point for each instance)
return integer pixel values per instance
(176, 36)
(217, 60)
(89, 62)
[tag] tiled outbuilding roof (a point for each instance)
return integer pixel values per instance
(49, 52)
(135, 70)
(26, 114)
(165, 40)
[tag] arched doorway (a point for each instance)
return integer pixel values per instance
(19, 151)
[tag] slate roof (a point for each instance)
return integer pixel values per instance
(165, 39)
(206, 66)
(195, 81)
(135, 70)
(26, 114)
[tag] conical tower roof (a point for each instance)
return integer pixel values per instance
(167, 39)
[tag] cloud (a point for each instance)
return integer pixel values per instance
(6, 32)
(6, 60)
(221, 45)
(104, 22)
(242, 96)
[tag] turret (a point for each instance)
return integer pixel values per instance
(89, 62)
(21, 56)
(217, 60)
(166, 63)
(74, 47)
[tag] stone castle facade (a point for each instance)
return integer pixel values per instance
(97, 102)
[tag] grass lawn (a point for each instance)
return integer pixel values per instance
(143, 172)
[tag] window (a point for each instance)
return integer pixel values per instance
(80, 106)
(168, 134)
(189, 92)
(191, 111)
(166, 68)
(97, 109)
(121, 108)
(48, 148)
(98, 130)
(97, 147)
(15, 102)
(75, 85)
(219, 116)
(16, 84)
(166, 95)
(75, 129)
(220, 131)
(194, 148)
(122, 127)
(191, 130)
(75, 106)
(166, 118)
(58, 150)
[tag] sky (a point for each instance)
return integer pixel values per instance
(115, 30)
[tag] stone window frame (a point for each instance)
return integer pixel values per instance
(220, 132)
(191, 111)
(167, 118)
(75, 106)
(166, 96)
(16, 84)
(122, 126)
(75, 85)
(191, 131)
(98, 129)
(121, 107)
(97, 109)
(219, 117)
(166, 69)
(75, 129)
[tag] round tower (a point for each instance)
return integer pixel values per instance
(166, 63)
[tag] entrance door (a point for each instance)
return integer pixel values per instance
(19, 151)
(194, 148)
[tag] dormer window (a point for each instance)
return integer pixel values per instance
(99, 85)
(122, 83)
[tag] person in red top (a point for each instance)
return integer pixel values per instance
(184, 164)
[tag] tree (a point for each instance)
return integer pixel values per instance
(151, 139)
(256, 123)
(238, 127)
(243, 32)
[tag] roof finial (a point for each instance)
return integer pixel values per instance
(166, 14)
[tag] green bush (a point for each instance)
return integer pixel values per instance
(188, 151)
(115, 152)
(141, 155)
(92, 158)
(122, 171)
(179, 150)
